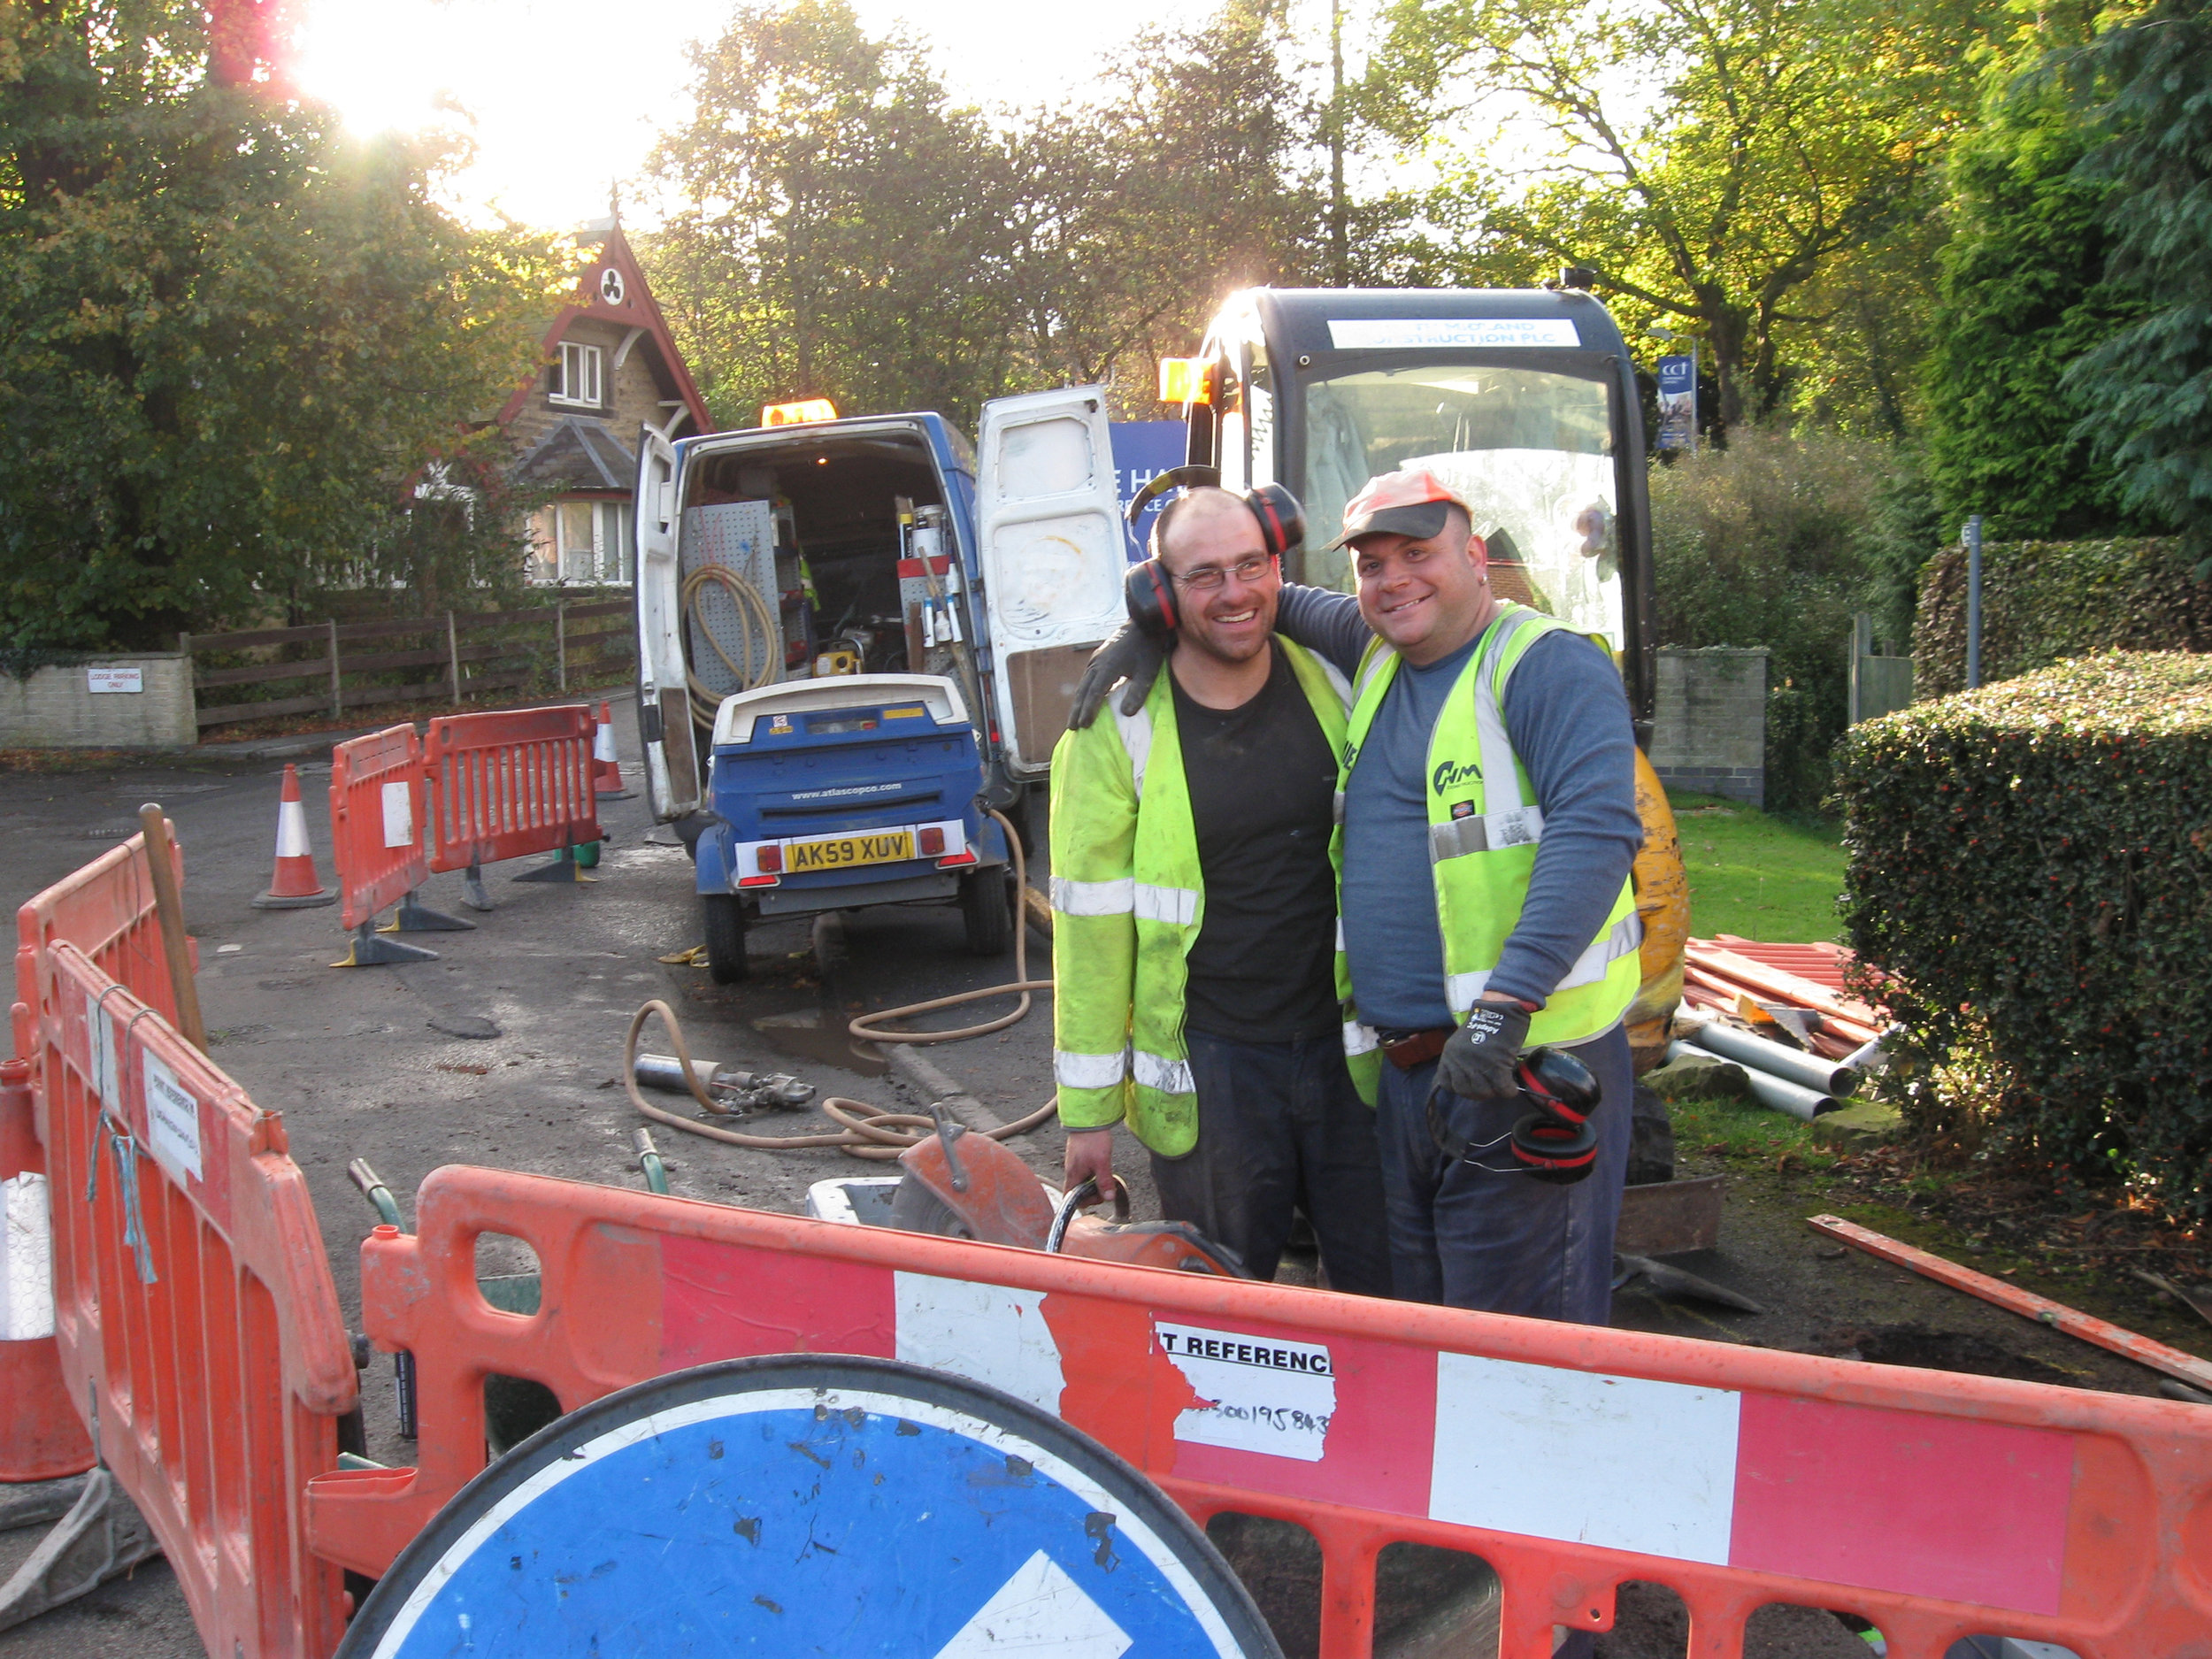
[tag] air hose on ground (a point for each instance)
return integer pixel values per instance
(756, 619)
(862, 1132)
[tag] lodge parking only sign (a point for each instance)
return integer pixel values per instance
(810, 1505)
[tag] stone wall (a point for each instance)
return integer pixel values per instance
(57, 708)
(1709, 727)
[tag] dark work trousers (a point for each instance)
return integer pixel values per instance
(1280, 1127)
(1470, 1237)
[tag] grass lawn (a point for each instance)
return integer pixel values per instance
(1768, 879)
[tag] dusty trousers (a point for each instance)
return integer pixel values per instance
(1280, 1128)
(1476, 1235)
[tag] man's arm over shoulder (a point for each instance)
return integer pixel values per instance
(1568, 717)
(1325, 622)
(1093, 834)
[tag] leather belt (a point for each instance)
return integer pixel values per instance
(1406, 1049)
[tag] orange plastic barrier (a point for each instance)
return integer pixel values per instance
(375, 814)
(41, 1438)
(506, 784)
(106, 910)
(199, 1329)
(1572, 1459)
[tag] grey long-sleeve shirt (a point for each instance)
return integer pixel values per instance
(1568, 718)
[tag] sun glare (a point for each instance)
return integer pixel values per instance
(381, 65)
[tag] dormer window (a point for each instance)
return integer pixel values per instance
(576, 378)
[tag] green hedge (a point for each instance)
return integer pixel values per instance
(2043, 601)
(2033, 862)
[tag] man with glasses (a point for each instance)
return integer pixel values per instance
(1195, 924)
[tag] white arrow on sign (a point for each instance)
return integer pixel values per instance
(1039, 1609)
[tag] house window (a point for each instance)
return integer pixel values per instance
(585, 542)
(576, 379)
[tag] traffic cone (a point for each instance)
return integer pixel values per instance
(295, 886)
(606, 775)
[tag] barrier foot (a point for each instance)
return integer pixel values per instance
(371, 949)
(473, 893)
(562, 870)
(103, 1535)
(414, 917)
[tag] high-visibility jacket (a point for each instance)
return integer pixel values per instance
(1128, 899)
(1484, 828)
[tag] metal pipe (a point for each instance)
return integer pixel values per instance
(1809, 1070)
(648, 1161)
(1974, 602)
(373, 1189)
(1777, 1093)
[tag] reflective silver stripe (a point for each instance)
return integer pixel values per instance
(1337, 807)
(1175, 905)
(1372, 666)
(1623, 936)
(1169, 1077)
(1136, 738)
(1089, 1071)
(1337, 682)
(1500, 778)
(1462, 989)
(1359, 1039)
(1339, 935)
(1093, 898)
(1520, 826)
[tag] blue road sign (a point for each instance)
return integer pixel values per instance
(804, 1505)
(1143, 450)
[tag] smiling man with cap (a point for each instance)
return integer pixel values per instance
(1488, 829)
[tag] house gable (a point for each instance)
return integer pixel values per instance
(642, 376)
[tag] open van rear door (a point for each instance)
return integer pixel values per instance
(664, 700)
(1049, 522)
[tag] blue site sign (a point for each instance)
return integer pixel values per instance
(1143, 450)
(810, 1505)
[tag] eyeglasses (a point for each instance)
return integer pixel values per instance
(1206, 578)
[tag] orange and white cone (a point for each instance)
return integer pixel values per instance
(606, 774)
(295, 886)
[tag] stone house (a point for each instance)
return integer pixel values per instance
(610, 368)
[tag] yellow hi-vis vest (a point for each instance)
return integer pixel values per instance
(1128, 899)
(1484, 830)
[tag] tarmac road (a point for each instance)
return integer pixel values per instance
(353, 1060)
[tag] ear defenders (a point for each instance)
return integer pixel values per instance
(1555, 1143)
(1146, 587)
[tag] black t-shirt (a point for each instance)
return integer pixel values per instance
(1263, 784)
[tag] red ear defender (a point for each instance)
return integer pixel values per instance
(1555, 1143)
(1150, 597)
(1282, 520)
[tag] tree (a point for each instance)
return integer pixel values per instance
(2024, 292)
(228, 341)
(838, 227)
(1712, 159)
(2148, 389)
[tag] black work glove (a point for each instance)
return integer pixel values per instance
(1478, 1058)
(1128, 655)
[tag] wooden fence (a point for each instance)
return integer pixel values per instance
(475, 652)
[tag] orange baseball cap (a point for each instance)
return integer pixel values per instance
(1411, 501)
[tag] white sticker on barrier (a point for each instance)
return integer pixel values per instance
(1623, 1463)
(1259, 1394)
(26, 1275)
(399, 814)
(172, 1121)
(989, 1333)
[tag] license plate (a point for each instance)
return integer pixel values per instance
(885, 848)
